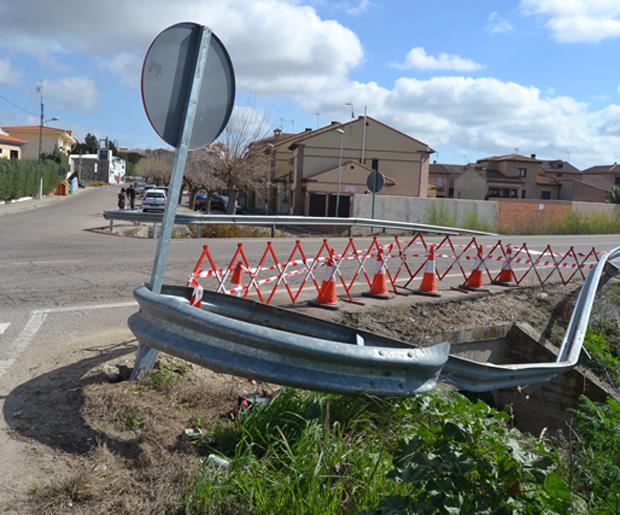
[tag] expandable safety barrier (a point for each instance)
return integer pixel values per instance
(402, 261)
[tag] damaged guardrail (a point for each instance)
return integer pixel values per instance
(481, 377)
(253, 340)
(261, 342)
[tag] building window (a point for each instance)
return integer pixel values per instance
(493, 192)
(521, 172)
(617, 181)
(374, 164)
(545, 195)
(522, 193)
(14, 154)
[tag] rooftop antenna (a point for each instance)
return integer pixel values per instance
(318, 119)
(350, 104)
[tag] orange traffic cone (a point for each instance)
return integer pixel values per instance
(475, 282)
(506, 276)
(428, 286)
(237, 280)
(379, 287)
(327, 297)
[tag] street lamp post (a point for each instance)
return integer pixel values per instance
(341, 132)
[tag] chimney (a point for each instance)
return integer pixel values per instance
(533, 156)
(334, 123)
(434, 161)
(308, 129)
(277, 132)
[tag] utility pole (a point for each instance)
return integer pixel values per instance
(39, 90)
(364, 136)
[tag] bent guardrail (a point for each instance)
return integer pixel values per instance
(261, 342)
(249, 339)
(479, 377)
(284, 221)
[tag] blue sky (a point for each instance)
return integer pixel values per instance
(470, 78)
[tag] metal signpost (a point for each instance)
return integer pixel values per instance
(188, 90)
(375, 183)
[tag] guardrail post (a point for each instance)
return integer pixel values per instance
(273, 231)
(154, 231)
(350, 231)
(111, 224)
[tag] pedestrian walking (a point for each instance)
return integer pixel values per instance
(131, 195)
(121, 199)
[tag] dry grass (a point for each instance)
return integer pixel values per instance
(142, 463)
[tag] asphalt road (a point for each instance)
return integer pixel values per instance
(56, 272)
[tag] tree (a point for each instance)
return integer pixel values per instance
(236, 161)
(91, 145)
(614, 195)
(156, 167)
(199, 175)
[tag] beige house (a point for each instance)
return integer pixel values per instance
(10, 148)
(443, 177)
(305, 166)
(52, 139)
(509, 176)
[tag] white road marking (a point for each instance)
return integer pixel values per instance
(88, 307)
(23, 340)
(36, 321)
(4, 327)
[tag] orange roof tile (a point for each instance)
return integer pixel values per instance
(10, 140)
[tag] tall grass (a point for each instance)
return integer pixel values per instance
(477, 223)
(575, 222)
(439, 214)
(313, 453)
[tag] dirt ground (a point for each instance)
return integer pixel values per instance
(92, 442)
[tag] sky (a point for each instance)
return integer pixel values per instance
(469, 78)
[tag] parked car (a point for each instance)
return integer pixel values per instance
(221, 202)
(154, 200)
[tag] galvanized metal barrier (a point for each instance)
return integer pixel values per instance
(283, 221)
(481, 377)
(254, 340)
(261, 342)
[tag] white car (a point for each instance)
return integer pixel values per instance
(154, 200)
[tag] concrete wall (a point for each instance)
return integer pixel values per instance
(595, 207)
(413, 209)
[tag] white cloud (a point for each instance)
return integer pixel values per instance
(71, 92)
(496, 24)
(576, 21)
(8, 74)
(357, 8)
(418, 58)
(126, 65)
(277, 46)
(484, 116)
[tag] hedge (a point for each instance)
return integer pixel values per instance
(20, 177)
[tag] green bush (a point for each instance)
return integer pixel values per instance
(20, 177)
(313, 453)
(594, 463)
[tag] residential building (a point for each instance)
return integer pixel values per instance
(443, 177)
(103, 167)
(51, 139)
(305, 166)
(10, 148)
(610, 172)
(507, 176)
